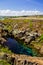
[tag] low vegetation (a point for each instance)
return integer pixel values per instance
(13, 24)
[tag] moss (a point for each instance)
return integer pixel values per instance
(4, 62)
(41, 37)
(5, 50)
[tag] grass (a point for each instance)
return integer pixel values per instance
(4, 62)
(5, 50)
(26, 23)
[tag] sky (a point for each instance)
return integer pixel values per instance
(21, 7)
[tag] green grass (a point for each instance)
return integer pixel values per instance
(4, 62)
(5, 50)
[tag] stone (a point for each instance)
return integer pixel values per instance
(41, 50)
(23, 38)
(27, 33)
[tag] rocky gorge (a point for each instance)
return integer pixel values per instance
(27, 33)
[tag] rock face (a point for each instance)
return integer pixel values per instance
(26, 36)
(41, 50)
(21, 59)
(23, 32)
(2, 40)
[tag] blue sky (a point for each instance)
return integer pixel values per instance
(21, 7)
(22, 4)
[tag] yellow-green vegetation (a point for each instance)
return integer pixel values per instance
(8, 27)
(41, 38)
(31, 24)
(4, 62)
(23, 24)
(5, 50)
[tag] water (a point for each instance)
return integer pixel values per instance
(17, 48)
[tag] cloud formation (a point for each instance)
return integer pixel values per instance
(19, 13)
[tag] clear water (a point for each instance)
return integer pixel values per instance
(17, 48)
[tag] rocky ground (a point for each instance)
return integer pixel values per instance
(15, 59)
(27, 32)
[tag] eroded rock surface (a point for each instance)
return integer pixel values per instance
(22, 31)
(15, 59)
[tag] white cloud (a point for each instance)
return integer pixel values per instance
(19, 13)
